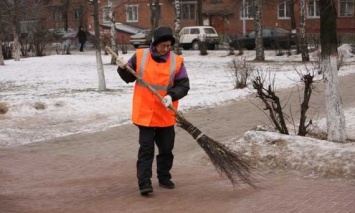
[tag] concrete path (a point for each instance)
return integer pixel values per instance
(96, 173)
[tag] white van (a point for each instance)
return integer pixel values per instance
(189, 37)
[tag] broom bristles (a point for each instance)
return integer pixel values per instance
(227, 162)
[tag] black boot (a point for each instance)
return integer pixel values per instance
(145, 189)
(166, 183)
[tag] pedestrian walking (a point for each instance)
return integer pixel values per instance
(82, 38)
(164, 71)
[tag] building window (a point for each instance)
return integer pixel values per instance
(77, 14)
(27, 26)
(346, 8)
(57, 14)
(284, 10)
(313, 9)
(187, 10)
(132, 13)
(247, 11)
(105, 14)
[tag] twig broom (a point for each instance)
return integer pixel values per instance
(227, 162)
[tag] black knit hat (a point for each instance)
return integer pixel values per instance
(162, 34)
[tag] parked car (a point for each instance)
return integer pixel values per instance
(143, 37)
(272, 37)
(189, 37)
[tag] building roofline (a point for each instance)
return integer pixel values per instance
(124, 27)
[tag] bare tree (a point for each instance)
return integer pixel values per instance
(84, 7)
(100, 68)
(2, 7)
(272, 102)
(303, 41)
(241, 72)
(293, 22)
(2, 61)
(36, 36)
(154, 13)
(177, 17)
(13, 11)
(259, 44)
(308, 81)
(199, 13)
(329, 54)
(292, 16)
(111, 8)
(66, 4)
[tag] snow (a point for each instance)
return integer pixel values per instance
(310, 156)
(57, 95)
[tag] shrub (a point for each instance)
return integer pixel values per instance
(4, 108)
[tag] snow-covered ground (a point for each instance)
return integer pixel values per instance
(57, 95)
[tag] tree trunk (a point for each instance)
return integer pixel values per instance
(154, 13)
(66, 4)
(259, 44)
(292, 16)
(328, 37)
(157, 13)
(177, 48)
(293, 23)
(113, 30)
(199, 13)
(16, 53)
(303, 39)
(2, 61)
(100, 68)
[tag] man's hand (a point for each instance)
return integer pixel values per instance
(167, 101)
(121, 62)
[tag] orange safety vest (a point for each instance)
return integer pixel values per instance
(148, 110)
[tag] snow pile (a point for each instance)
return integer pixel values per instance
(289, 152)
(345, 50)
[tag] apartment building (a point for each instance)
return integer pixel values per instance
(228, 17)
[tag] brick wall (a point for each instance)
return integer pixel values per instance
(223, 15)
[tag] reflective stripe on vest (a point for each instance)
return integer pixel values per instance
(172, 71)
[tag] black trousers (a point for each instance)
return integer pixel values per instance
(82, 46)
(164, 138)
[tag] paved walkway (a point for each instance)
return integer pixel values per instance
(96, 172)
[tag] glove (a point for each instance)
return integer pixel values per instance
(121, 62)
(167, 101)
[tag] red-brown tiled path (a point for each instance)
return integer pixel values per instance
(95, 173)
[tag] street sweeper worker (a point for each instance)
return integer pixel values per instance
(165, 72)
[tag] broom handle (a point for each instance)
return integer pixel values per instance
(177, 113)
